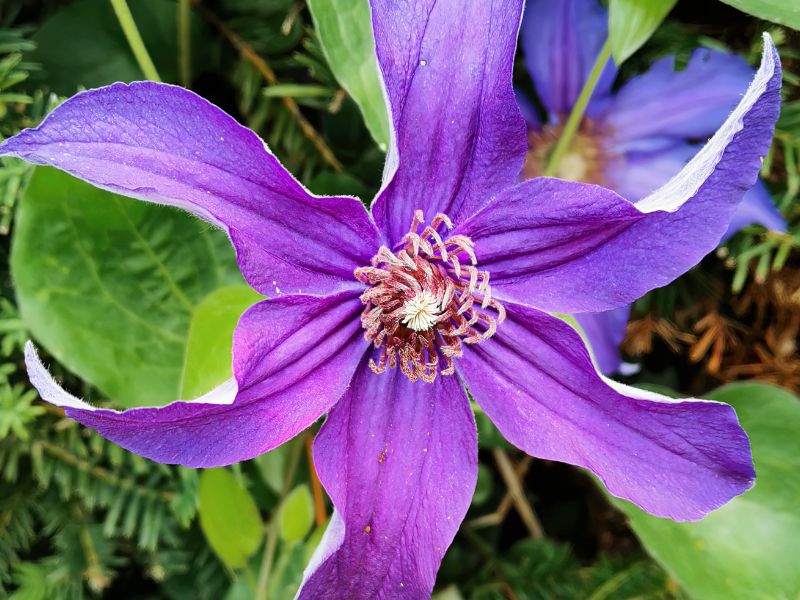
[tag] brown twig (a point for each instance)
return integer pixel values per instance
(320, 514)
(499, 515)
(269, 76)
(514, 485)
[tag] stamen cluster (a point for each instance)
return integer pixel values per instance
(587, 159)
(425, 300)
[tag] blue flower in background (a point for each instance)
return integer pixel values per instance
(634, 139)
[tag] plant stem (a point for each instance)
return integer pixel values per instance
(514, 486)
(131, 32)
(272, 531)
(185, 41)
(576, 116)
(316, 486)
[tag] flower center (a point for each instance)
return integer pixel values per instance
(586, 159)
(422, 311)
(425, 300)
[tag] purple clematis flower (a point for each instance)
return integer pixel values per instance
(632, 140)
(380, 319)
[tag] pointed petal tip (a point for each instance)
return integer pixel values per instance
(44, 383)
(674, 458)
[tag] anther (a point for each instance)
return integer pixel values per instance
(419, 306)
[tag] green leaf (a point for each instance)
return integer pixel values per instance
(632, 22)
(229, 517)
(296, 514)
(749, 548)
(208, 346)
(108, 285)
(272, 465)
(82, 44)
(785, 12)
(345, 32)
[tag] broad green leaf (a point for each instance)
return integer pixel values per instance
(82, 44)
(749, 548)
(108, 285)
(785, 12)
(345, 32)
(229, 517)
(632, 22)
(272, 465)
(296, 514)
(208, 347)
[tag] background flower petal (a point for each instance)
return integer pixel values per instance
(572, 247)
(399, 460)
(688, 103)
(641, 172)
(458, 136)
(756, 207)
(561, 41)
(605, 332)
(675, 459)
(167, 145)
(293, 359)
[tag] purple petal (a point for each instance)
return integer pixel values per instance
(528, 110)
(165, 144)
(294, 357)
(561, 40)
(605, 332)
(572, 247)
(675, 459)
(458, 136)
(641, 173)
(399, 460)
(756, 208)
(691, 103)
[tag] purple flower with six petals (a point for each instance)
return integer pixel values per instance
(632, 140)
(380, 319)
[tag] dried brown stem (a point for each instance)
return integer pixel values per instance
(269, 76)
(320, 514)
(514, 485)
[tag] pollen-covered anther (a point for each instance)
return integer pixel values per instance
(425, 300)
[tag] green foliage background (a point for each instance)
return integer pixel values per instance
(134, 305)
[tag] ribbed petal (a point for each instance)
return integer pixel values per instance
(572, 247)
(561, 40)
(294, 358)
(399, 460)
(675, 459)
(457, 135)
(605, 332)
(690, 103)
(167, 145)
